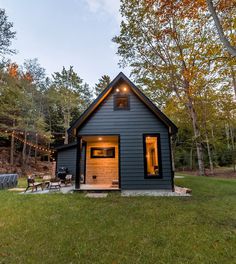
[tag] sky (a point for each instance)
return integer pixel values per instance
(67, 32)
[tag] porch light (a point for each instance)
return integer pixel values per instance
(117, 90)
(125, 89)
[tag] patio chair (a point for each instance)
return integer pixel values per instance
(55, 184)
(46, 180)
(68, 179)
(34, 185)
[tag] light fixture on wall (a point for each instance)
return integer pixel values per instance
(125, 89)
(100, 138)
(117, 89)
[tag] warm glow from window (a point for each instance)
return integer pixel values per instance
(121, 102)
(151, 146)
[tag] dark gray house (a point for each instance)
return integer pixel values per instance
(123, 142)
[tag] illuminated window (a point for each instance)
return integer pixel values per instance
(121, 102)
(103, 152)
(152, 158)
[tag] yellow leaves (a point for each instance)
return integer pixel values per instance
(214, 50)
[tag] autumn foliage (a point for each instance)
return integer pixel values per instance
(13, 70)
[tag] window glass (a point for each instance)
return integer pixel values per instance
(121, 102)
(152, 156)
(103, 152)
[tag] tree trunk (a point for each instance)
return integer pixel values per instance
(35, 150)
(232, 137)
(233, 147)
(66, 140)
(67, 124)
(233, 80)
(224, 40)
(197, 136)
(12, 148)
(24, 152)
(209, 156)
(227, 136)
(191, 158)
(29, 155)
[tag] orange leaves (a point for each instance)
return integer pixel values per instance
(182, 9)
(27, 76)
(13, 70)
(224, 5)
(187, 74)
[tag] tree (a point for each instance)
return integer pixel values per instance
(69, 95)
(6, 34)
(10, 103)
(21, 108)
(230, 48)
(103, 82)
(34, 72)
(166, 41)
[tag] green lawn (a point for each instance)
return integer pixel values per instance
(57, 228)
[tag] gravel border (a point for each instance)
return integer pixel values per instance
(152, 193)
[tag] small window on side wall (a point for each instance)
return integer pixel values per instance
(121, 102)
(152, 156)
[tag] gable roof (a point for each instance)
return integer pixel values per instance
(137, 92)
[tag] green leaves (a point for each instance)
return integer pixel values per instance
(102, 84)
(6, 34)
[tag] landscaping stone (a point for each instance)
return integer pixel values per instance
(96, 195)
(152, 193)
(16, 189)
(182, 190)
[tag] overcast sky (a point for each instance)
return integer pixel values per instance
(67, 32)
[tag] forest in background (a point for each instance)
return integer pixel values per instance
(177, 56)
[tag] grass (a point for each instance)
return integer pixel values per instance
(57, 228)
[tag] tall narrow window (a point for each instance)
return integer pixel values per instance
(152, 158)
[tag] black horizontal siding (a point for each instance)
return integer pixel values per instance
(131, 125)
(67, 158)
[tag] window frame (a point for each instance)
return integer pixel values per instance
(152, 176)
(117, 96)
(92, 156)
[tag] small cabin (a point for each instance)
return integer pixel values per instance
(122, 143)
